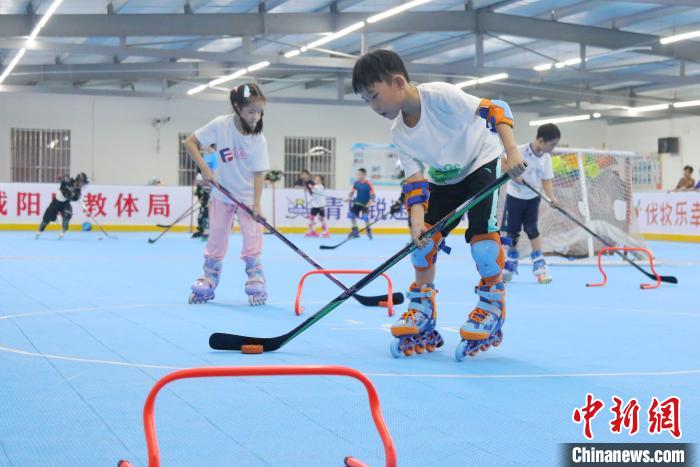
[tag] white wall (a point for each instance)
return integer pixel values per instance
(114, 142)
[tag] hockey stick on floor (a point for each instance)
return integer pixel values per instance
(397, 297)
(222, 341)
(92, 218)
(350, 236)
(669, 279)
(190, 210)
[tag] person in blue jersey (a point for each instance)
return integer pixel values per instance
(363, 192)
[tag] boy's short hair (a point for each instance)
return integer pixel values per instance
(306, 172)
(363, 170)
(688, 168)
(548, 132)
(373, 67)
(320, 177)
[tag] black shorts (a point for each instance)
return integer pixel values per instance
(358, 209)
(56, 207)
(521, 214)
(318, 212)
(445, 198)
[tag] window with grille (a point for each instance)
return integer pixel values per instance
(39, 156)
(187, 168)
(315, 154)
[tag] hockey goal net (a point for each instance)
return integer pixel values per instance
(594, 186)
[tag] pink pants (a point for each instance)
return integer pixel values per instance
(220, 221)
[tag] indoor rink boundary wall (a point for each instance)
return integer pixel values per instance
(142, 208)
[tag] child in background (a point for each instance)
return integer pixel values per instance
(361, 202)
(523, 205)
(68, 191)
(318, 205)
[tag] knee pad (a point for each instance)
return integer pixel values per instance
(488, 255)
(424, 258)
(365, 217)
(352, 215)
(531, 231)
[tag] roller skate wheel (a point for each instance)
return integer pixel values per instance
(484, 347)
(460, 351)
(256, 300)
(408, 349)
(498, 339)
(395, 348)
(473, 352)
(419, 348)
(430, 347)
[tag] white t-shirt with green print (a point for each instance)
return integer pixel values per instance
(450, 139)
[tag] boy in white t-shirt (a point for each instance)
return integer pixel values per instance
(318, 208)
(459, 139)
(243, 160)
(523, 205)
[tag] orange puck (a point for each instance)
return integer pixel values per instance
(252, 348)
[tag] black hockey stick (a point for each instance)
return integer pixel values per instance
(222, 341)
(170, 226)
(92, 218)
(397, 297)
(350, 236)
(669, 279)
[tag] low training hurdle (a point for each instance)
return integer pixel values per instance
(389, 304)
(615, 248)
(284, 370)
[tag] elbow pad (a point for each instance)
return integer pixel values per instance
(495, 112)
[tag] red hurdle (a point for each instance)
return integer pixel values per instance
(291, 370)
(298, 309)
(615, 248)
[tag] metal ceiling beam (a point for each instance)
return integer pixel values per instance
(310, 23)
(324, 65)
(135, 51)
(691, 3)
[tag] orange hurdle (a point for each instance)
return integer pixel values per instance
(292, 370)
(298, 309)
(614, 248)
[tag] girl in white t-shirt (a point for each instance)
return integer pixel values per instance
(318, 208)
(242, 162)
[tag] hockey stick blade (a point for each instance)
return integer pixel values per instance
(376, 300)
(223, 341)
(668, 279)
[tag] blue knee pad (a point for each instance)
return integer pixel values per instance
(486, 254)
(424, 258)
(365, 218)
(351, 215)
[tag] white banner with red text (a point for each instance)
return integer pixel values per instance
(668, 216)
(22, 206)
